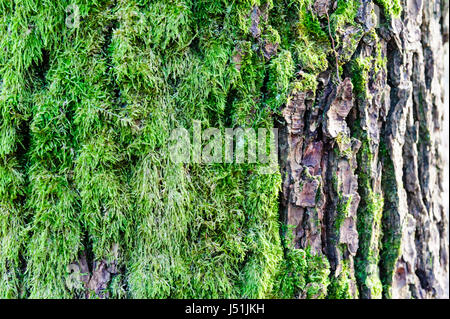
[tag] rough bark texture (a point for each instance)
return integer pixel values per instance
(92, 207)
(382, 224)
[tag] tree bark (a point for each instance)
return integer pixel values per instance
(378, 160)
(92, 206)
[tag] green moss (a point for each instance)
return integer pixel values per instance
(271, 35)
(310, 27)
(281, 71)
(370, 209)
(308, 41)
(340, 286)
(360, 75)
(380, 60)
(302, 274)
(307, 83)
(212, 216)
(28, 32)
(344, 143)
(366, 69)
(345, 13)
(370, 213)
(342, 17)
(392, 228)
(342, 212)
(392, 8)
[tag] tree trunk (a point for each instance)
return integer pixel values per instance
(380, 219)
(91, 204)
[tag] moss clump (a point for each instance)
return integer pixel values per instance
(344, 143)
(85, 116)
(344, 14)
(281, 71)
(392, 8)
(342, 212)
(340, 286)
(365, 69)
(201, 218)
(360, 75)
(302, 34)
(302, 274)
(391, 224)
(370, 213)
(306, 83)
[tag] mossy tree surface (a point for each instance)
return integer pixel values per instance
(92, 206)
